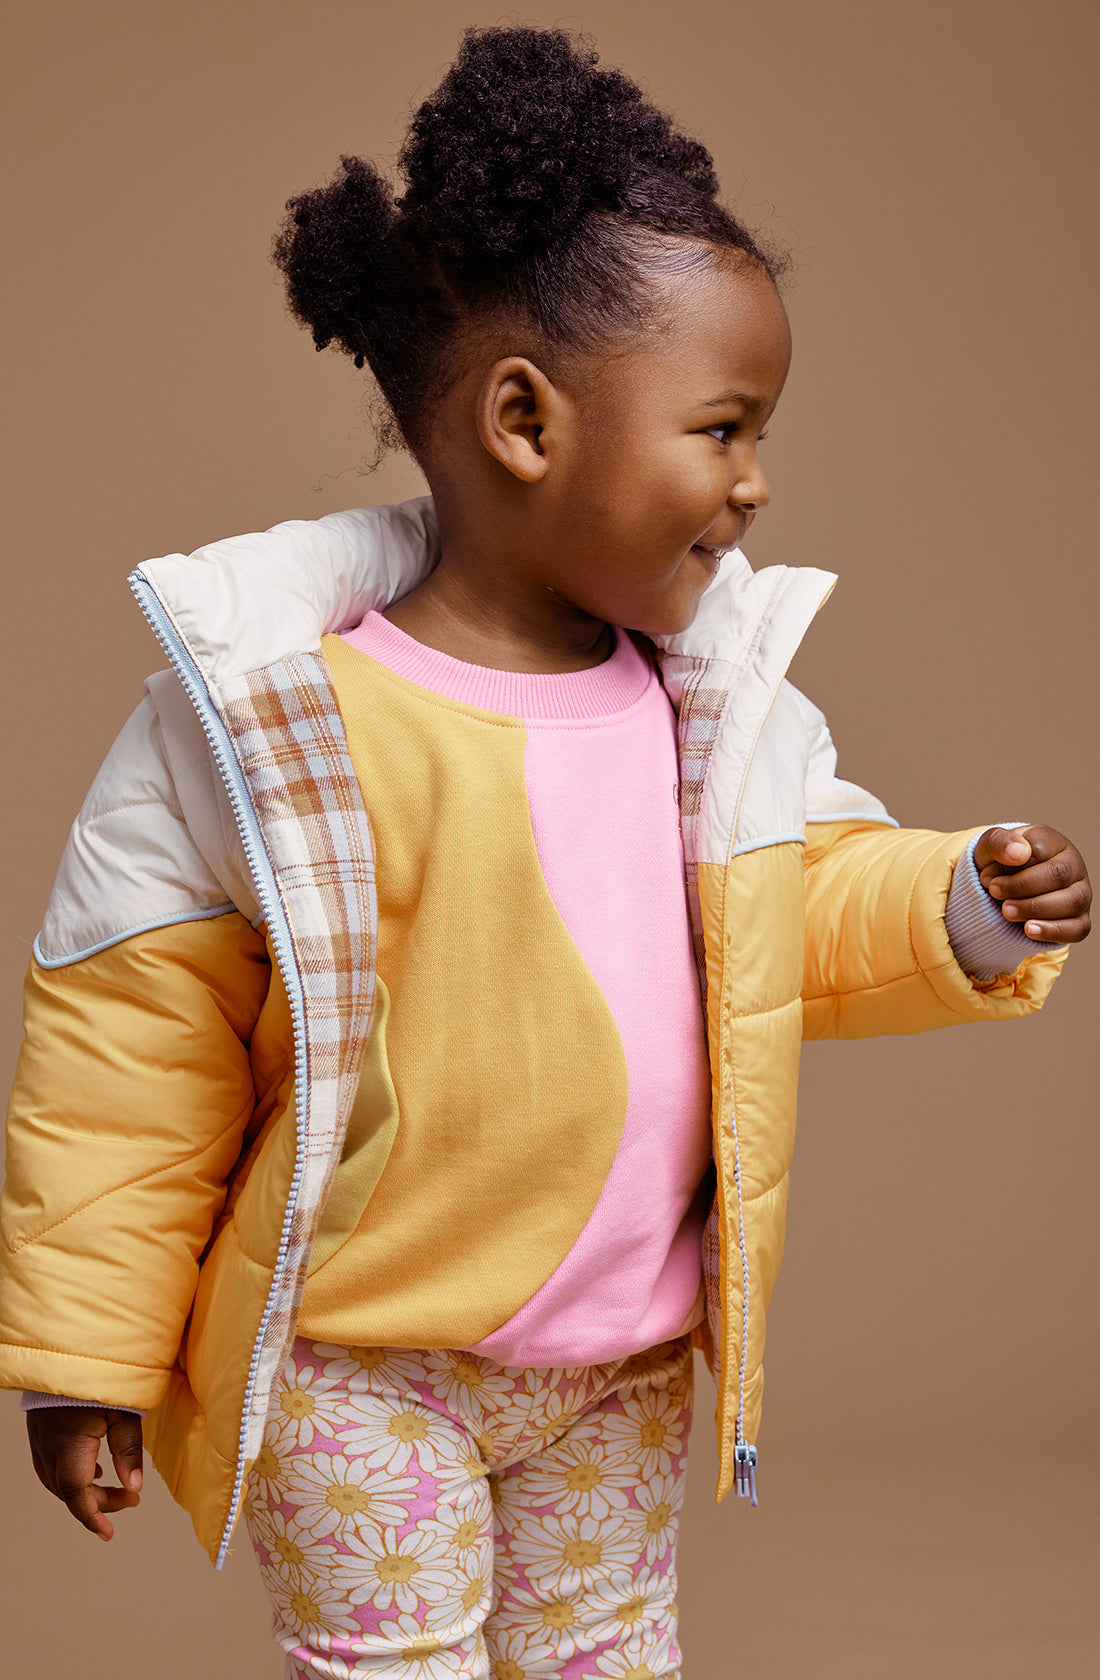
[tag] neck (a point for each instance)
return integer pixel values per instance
(476, 607)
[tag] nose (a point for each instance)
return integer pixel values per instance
(750, 491)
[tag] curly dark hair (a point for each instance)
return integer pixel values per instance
(541, 191)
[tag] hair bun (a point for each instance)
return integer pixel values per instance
(524, 137)
(329, 249)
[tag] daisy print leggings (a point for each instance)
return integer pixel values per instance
(426, 1515)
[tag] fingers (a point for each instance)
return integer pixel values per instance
(1045, 880)
(1059, 932)
(1039, 879)
(65, 1449)
(1052, 906)
(1052, 899)
(1007, 846)
(72, 1479)
(125, 1445)
(89, 1504)
(1064, 869)
(1003, 845)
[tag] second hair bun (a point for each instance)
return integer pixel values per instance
(524, 137)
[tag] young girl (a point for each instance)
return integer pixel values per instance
(413, 1033)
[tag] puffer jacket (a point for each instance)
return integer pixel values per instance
(201, 988)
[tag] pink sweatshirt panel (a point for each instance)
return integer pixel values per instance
(602, 783)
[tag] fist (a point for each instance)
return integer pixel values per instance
(65, 1448)
(1039, 878)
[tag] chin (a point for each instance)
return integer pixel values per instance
(668, 623)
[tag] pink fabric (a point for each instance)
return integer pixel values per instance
(602, 783)
(605, 689)
(421, 1515)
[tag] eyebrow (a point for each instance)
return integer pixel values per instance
(728, 397)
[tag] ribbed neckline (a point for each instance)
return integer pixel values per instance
(612, 687)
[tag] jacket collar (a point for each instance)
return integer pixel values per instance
(247, 602)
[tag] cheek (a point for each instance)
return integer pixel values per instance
(692, 496)
(651, 492)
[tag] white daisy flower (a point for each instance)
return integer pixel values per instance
(666, 1370)
(649, 1434)
(266, 1472)
(518, 1655)
(505, 1434)
(338, 1668)
(412, 1653)
(389, 1431)
(463, 1534)
(332, 1666)
(292, 1554)
(464, 1384)
(313, 1611)
(406, 1574)
(658, 1514)
(333, 1493)
(557, 1621)
(568, 1554)
(371, 1368)
(304, 1404)
(633, 1606)
(629, 1663)
(572, 1476)
(545, 1377)
(465, 1606)
(505, 1569)
(251, 1501)
(562, 1410)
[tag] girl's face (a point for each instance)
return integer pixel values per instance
(653, 465)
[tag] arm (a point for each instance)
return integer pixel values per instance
(878, 957)
(132, 1094)
(132, 1098)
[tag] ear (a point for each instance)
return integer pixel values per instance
(515, 405)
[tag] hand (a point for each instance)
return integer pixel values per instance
(65, 1448)
(1040, 879)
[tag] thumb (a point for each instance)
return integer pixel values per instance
(1008, 846)
(124, 1442)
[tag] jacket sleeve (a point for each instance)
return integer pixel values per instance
(133, 1092)
(878, 957)
(132, 1095)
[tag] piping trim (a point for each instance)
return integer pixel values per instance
(768, 840)
(852, 816)
(130, 933)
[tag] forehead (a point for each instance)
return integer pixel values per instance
(721, 328)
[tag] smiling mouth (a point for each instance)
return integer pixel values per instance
(712, 556)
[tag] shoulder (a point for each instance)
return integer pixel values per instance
(149, 845)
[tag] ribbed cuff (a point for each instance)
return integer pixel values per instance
(984, 943)
(35, 1400)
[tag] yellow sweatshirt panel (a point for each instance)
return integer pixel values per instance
(494, 1086)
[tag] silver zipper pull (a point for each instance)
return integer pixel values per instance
(744, 1458)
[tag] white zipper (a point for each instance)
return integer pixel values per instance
(267, 893)
(744, 1454)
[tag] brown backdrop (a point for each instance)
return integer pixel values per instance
(928, 1456)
